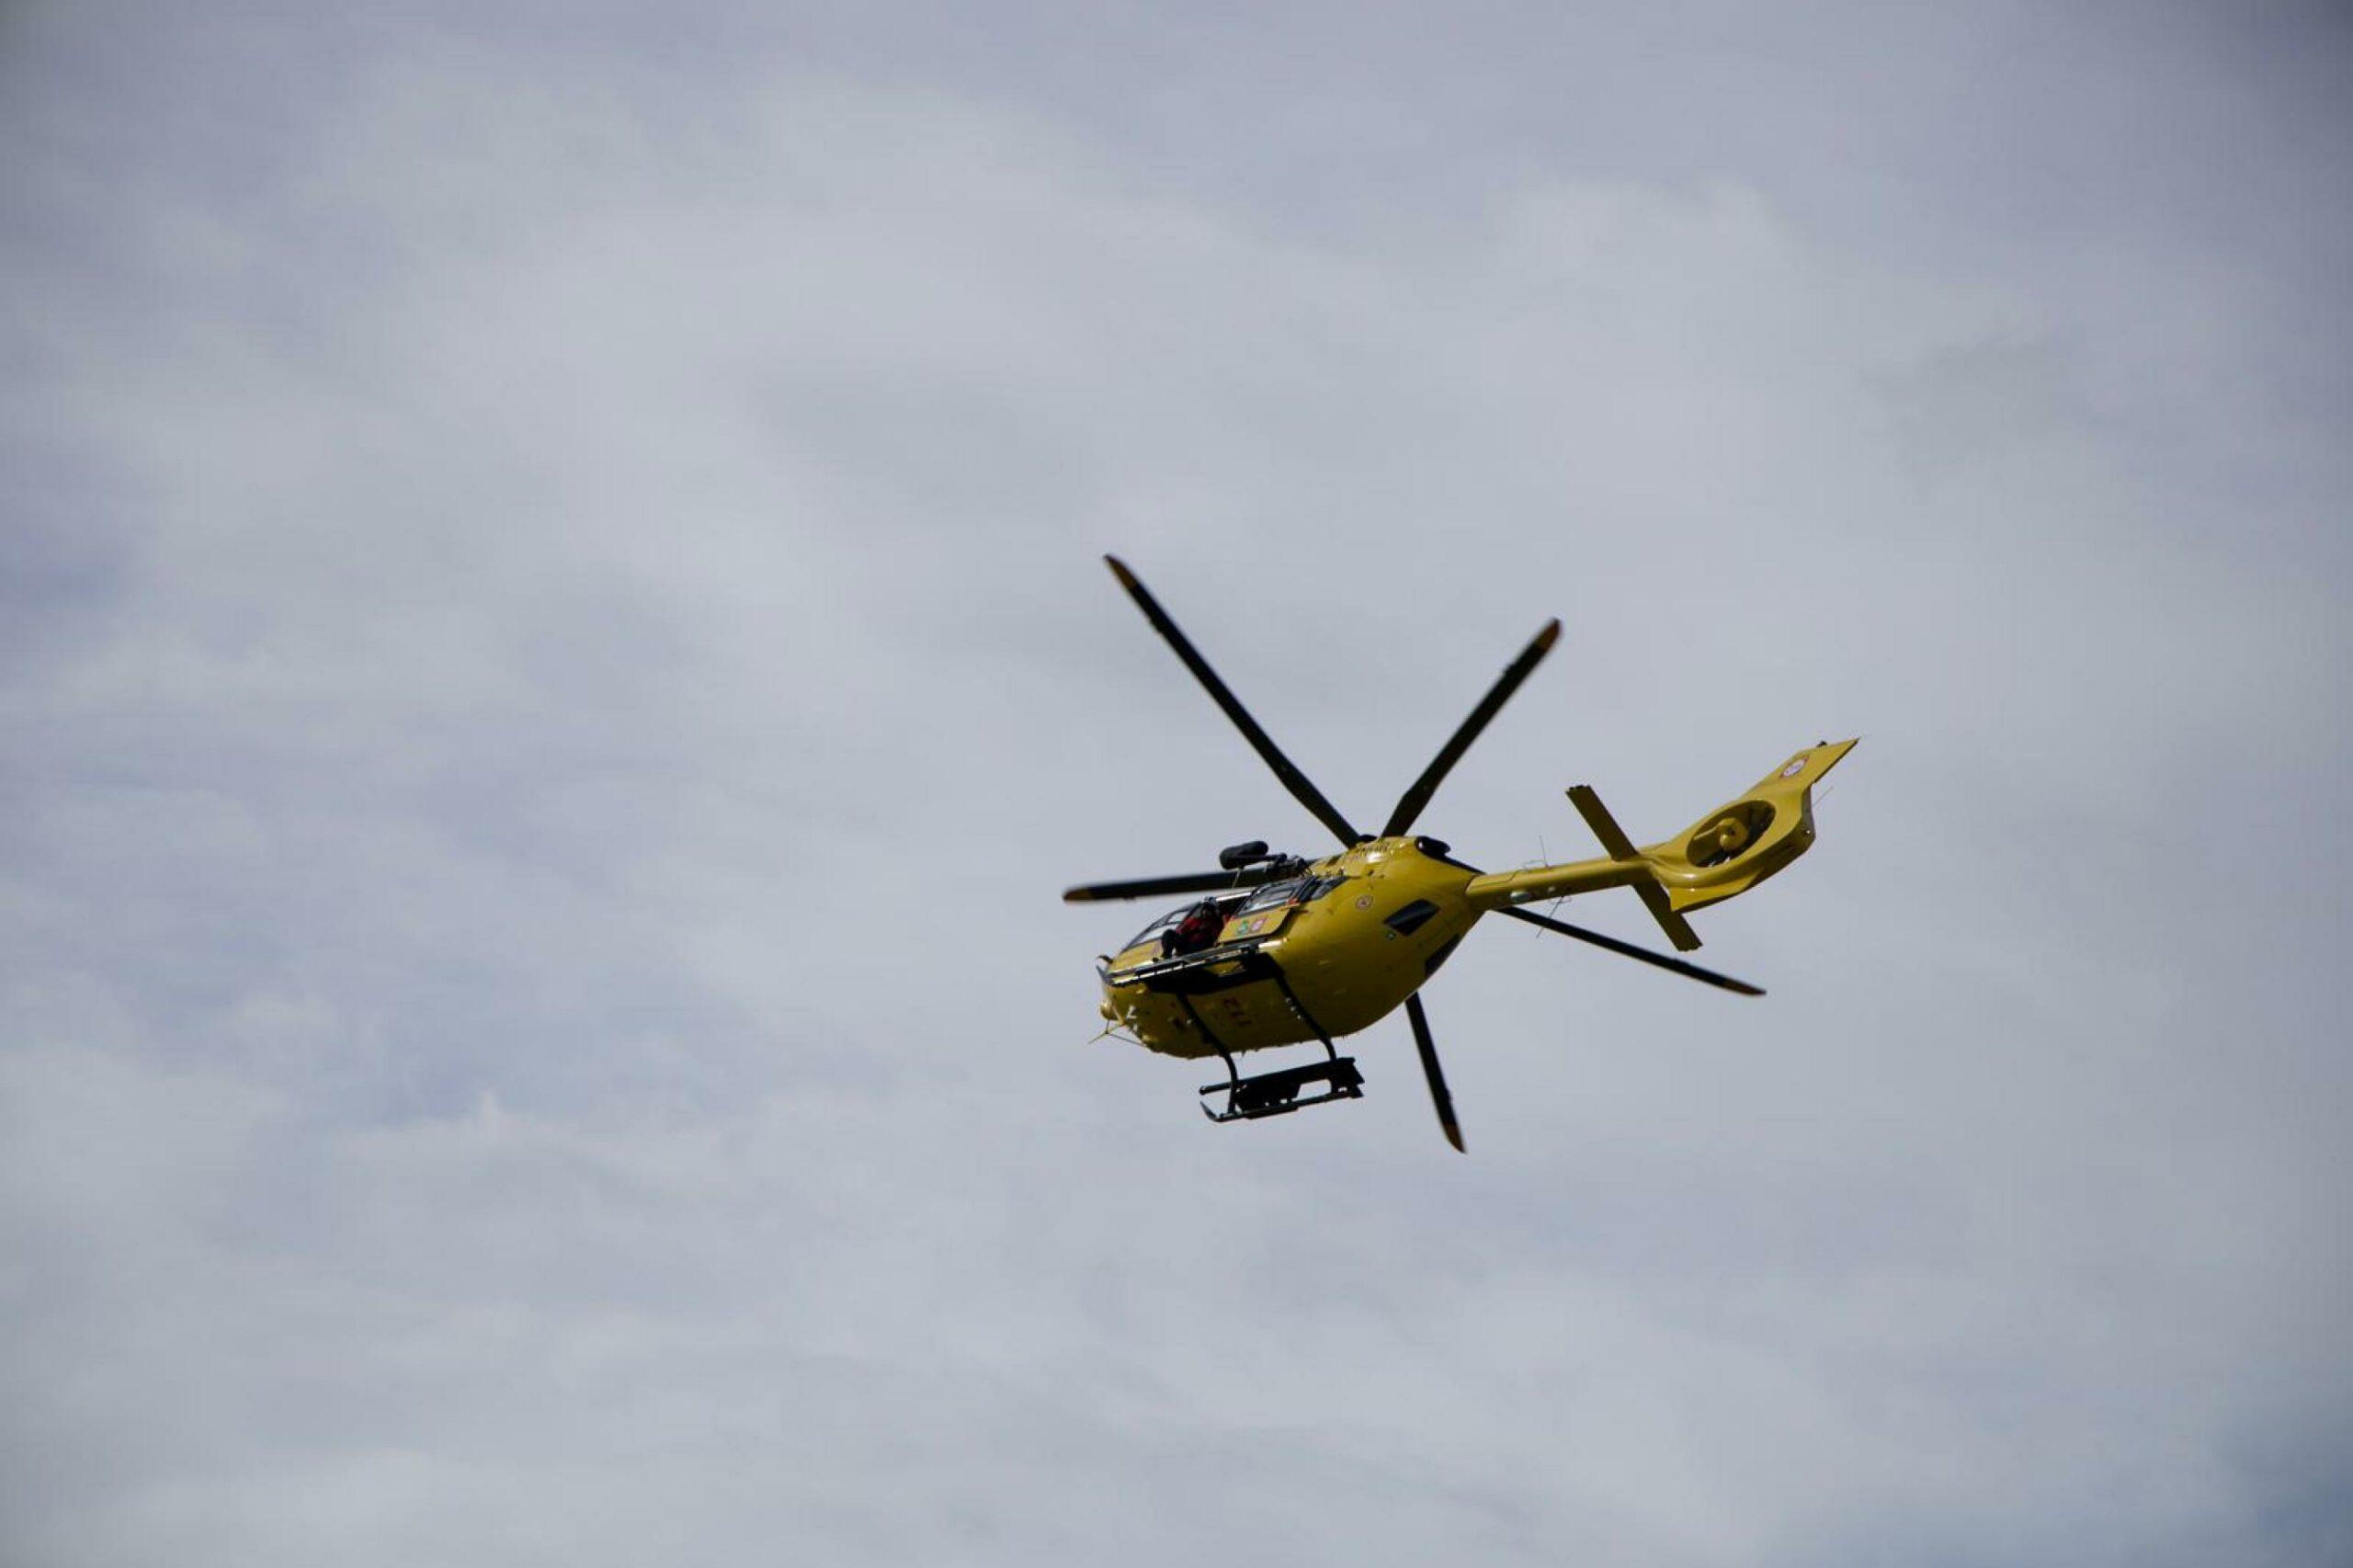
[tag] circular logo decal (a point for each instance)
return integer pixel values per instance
(1794, 768)
(1365, 903)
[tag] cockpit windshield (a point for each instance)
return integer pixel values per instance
(1152, 931)
(1270, 895)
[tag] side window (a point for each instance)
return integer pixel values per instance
(1291, 889)
(1273, 894)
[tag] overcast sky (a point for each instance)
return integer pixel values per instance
(555, 662)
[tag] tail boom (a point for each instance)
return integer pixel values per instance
(1723, 855)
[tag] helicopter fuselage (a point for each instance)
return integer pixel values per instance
(1333, 950)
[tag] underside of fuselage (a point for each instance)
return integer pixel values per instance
(1314, 956)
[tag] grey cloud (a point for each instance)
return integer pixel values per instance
(563, 665)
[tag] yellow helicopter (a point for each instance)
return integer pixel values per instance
(1282, 950)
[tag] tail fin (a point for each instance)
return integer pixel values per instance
(1725, 852)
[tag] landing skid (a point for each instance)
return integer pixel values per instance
(1278, 1094)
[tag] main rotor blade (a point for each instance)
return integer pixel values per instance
(1678, 966)
(1434, 1073)
(1305, 793)
(1151, 887)
(1410, 805)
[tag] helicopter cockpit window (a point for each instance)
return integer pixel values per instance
(1152, 932)
(1290, 890)
(1157, 927)
(1272, 893)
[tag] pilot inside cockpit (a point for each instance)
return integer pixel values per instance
(1198, 929)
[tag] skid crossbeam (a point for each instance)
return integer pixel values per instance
(1278, 1094)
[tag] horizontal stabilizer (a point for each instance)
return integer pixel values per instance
(1621, 848)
